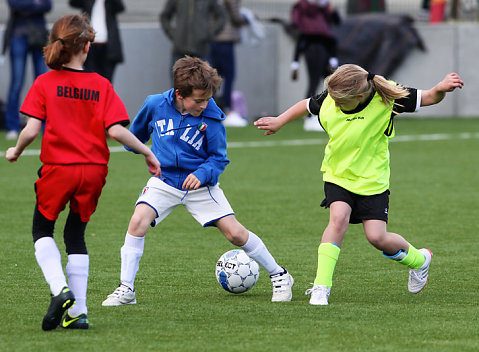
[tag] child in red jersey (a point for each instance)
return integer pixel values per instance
(79, 110)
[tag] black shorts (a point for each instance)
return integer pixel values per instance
(373, 207)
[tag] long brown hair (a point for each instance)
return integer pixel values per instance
(193, 73)
(350, 80)
(68, 37)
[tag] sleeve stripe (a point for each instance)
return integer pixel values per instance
(418, 100)
(123, 123)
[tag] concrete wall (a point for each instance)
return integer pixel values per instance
(263, 73)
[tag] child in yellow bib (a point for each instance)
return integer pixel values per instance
(357, 111)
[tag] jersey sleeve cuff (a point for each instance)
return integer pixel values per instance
(35, 117)
(124, 123)
(418, 100)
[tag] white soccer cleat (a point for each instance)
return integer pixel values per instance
(122, 295)
(418, 278)
(319, 295)
(282, 287)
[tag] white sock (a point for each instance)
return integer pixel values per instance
(50, 261)
(256, 249)
(131, 253)
(77, 272)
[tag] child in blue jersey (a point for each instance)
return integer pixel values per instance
(189, 140)
(357, 110)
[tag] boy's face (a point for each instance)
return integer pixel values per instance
(193, 104)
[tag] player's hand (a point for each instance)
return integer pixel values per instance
(270, 124)
(153, 165)
(191, 182)
(450, 82)
(12, 154)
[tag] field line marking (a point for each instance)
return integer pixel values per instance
(315, 141)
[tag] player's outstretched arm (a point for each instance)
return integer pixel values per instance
(27, 136)
(273, 124)
(125, 137)
(438, 92)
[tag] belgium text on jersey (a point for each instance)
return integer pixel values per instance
(78, 93)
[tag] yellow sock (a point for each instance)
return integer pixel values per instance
(414, 259)
(328, 254)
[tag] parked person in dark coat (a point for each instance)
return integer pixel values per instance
(106, 51)
(191, 26)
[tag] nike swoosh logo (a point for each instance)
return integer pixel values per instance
(65, 323)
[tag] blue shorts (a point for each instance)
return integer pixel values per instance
(373, 207)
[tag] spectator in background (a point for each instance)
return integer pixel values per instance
(191, 25)
(25, 33)
(313, 20)
(106, 51)
(223, 59)
(363, 6)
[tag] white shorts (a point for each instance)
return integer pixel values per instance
(206, 204)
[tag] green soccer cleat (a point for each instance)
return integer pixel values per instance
(58, 305)
(78, 322)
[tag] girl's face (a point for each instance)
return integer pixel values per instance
(193, 104)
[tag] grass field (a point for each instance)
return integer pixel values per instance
(275, 186)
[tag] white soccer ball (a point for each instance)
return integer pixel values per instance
(236, 272)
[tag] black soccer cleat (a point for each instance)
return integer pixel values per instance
(78, 322)
(58, 305)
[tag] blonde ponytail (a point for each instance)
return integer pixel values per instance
(350, 80)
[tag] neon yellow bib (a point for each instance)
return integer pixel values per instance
(357, 154)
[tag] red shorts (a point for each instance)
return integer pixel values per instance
(79, 184)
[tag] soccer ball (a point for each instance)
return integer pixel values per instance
(236, 272)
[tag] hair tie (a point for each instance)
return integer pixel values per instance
(60, 39)
(370, 76)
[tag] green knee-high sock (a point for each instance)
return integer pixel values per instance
(328, 254)
(412, 258)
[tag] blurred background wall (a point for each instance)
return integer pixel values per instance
(263, 68)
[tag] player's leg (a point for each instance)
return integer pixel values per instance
(238, 235)
(154, 204)
(395, 247)
(49, 259)
(328, 252)
(53, 190)
(77, 270)
(83, 203)
(131, 253)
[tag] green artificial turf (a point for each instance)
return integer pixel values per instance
(275, 187)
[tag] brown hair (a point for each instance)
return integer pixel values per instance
(350, 80)
(68, 37)
(193, 73)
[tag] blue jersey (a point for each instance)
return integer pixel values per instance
(183, 144)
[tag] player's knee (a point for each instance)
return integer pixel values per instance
(74, 234)
(42, 227)
(376, 239)
(237, 235)
(339, 223)
(138, 225)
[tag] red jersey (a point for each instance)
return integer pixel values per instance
(77, 107)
